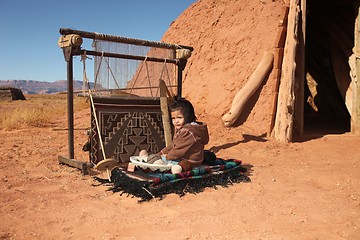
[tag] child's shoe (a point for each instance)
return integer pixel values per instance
(176, 169)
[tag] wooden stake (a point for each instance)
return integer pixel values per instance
(165, 112)
(283, 128)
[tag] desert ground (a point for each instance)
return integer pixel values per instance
(308, 189)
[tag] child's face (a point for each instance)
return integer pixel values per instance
(178, 119)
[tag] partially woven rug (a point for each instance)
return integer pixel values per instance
(147, 185)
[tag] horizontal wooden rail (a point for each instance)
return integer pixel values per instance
(113, 38)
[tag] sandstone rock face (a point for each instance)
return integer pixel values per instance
(229, 38)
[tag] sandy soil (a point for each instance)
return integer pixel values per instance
(302, 190)
(308, 189)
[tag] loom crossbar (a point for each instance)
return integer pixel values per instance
(120, 39)
(71, 49)
(125, 56)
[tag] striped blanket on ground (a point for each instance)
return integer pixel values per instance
(147, 185)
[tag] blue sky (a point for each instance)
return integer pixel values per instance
(29, 30)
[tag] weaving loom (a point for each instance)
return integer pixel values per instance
(126, 100)
(133, 81)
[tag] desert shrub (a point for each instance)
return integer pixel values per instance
(81, 103)
(38, 110)
(34, 117)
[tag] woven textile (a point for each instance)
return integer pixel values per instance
(127, 125)
(148, 185)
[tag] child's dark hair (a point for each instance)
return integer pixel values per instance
(185, 107)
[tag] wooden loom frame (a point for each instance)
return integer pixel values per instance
(71, 41)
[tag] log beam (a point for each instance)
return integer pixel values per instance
(283, 129)
(249, 89)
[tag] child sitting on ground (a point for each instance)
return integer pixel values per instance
(187, 148)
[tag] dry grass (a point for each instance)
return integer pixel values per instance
(39, 110)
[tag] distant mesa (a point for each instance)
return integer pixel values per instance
(39, 87)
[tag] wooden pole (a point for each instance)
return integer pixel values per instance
(165, 113)
(70, 107)
(278, 58)
(248, 90)
(119, 39)
(283, 129)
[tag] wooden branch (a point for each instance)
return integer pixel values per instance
(248, 90)
(283, 128)
(281, 31)
(278, 58)
(165, 112)
(280, 37)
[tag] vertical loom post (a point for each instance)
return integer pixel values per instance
(165, 112)
(70, 107)
(181, 67)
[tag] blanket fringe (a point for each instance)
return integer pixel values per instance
(146, 191)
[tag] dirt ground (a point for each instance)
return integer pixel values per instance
(301, 190)
(308, 189)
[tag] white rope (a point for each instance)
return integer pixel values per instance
(160, 77)
(83, 59)
(167, 73)
(148, 77)
(98, 70)
(112, 74)
(137, 76)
